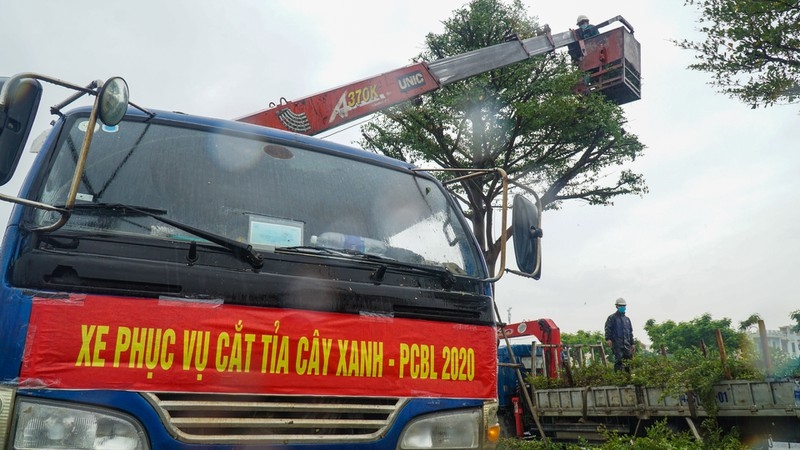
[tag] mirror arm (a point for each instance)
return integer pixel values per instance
(79, 166)
(522, 274)
(503, 227)
(32, 203)
(20, 76)
(532, 192)
(472, 173)
(65, 214)
(149, 113)
(91, 89)
(56, 109)
(81, 163)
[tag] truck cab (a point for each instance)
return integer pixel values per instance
(175, 281)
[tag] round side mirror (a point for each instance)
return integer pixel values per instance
(526, 234)
(113, 101)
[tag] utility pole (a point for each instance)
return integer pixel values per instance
(509, 314)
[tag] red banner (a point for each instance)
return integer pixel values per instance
(98, 342)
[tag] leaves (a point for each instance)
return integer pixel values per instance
(749, 322)
(658, 436)
(525, 118)
(795, 315)
(681, 372)
(752, 48)
(700, 330)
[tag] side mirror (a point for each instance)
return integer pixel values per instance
(19, 101)
(112, 101)
(525, 225)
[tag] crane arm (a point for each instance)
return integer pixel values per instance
(329, 109)
(456, 68)
(547, 332)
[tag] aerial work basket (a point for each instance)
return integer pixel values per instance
(612, 62)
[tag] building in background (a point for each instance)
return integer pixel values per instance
(783, 339)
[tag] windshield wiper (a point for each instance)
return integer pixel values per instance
(244, 252)
(120, 208)
(311, 250)
(445, 276)
(442, 273)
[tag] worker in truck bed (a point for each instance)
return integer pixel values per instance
(619, 336)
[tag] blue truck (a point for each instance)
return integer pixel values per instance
(173, 281)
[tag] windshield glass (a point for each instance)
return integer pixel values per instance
(252, 191)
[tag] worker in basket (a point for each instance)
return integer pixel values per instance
(586, 29)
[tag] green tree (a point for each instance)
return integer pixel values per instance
(749, 322)
(583, 338)
(577, 344)
(752, 48)
(783, 365)
(688, 335)
(525, 118)
(795, 315)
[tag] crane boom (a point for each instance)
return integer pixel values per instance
(329, 109)
(460, 67)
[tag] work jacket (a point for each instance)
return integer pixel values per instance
(619, 330)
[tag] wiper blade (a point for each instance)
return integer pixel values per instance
(442, 273)
(244, 252)
(121, 208)
(311, 250)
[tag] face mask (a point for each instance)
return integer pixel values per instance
(621, 309)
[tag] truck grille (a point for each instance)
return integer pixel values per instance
(224, 418)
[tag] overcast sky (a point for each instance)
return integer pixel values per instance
(716, 234)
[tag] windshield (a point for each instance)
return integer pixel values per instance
(252, 191)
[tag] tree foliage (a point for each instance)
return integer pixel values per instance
(678, 372)
(795, 315)
(749, 322)
(689, 335)
(752, 48)
(658, 435)
(525, 118)
(583, 338)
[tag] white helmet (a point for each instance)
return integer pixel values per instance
(620, 302)
(581, 18)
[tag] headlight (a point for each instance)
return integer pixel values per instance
(461, 429)
(41, 425)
